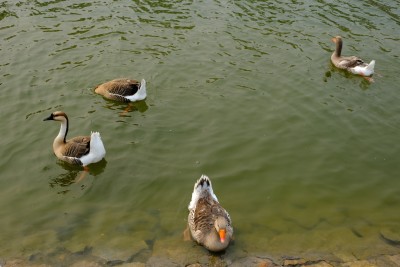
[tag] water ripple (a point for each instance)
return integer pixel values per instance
(241, 90)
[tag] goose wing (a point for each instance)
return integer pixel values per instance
(200, 219)
(77, 147)
(206, 212)
(350, 62)
(123, 87)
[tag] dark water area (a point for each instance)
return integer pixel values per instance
(302, 155)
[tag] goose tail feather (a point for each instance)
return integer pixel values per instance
(365, 69)
(142, 90)
(140, 94)
(202, 188)
(97, 151)
(371, 66)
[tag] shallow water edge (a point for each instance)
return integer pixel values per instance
(196, 257)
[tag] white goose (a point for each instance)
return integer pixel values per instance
(209, 223)
(124, 90)
(80, 150)
(353, 64)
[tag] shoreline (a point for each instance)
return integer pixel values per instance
(195, 257)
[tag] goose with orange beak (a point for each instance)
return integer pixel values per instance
(209, 223)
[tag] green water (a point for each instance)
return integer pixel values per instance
(304, 157)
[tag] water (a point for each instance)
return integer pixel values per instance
(303, 156)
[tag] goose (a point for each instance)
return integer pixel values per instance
(352, 64)
(209, 223)
(123, 90)
(80, 150)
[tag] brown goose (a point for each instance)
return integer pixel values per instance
(80, 150)
(124, 90)
(353, 64)
(209, 223)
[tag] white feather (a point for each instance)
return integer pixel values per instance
(200, 190)
(367, 70)
(96, 152)
(140, 94)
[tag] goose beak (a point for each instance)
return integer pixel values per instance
(222, 233)
(333, 39)
(48, 118)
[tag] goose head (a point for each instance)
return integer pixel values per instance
(63, 118)
(336, 39)
(220, 225)
(57, 116)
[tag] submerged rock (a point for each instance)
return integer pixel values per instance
(133, 264)
(112, 251)
(319, 264)
(294, 262)
(391, 236)
(161, 262)
(253, 261)
(86, 263)
(363, 263)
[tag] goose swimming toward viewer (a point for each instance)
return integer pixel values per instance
(353, 64)
(80, 150)
(124, 90)
(209, 223)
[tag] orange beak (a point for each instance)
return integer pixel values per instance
(222, 233)
(333, 39)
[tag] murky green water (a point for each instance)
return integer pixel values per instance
(303, 156)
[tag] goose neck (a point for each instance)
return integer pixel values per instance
(62, 135)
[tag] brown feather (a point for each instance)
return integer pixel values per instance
(124, 87)
(118, 89)
(206, 212)
(77, 146)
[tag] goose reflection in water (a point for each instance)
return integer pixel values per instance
(126, 108)
(74, 179)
